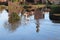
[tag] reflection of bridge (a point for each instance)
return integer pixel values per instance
(38, 6)
(17, 7)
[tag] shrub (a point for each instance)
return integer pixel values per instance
(55, 9)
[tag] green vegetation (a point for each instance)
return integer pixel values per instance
(26, 7)
(14, 18)
(55, 8)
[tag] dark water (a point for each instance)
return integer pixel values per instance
(42, 29)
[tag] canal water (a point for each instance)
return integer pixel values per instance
(42, 29)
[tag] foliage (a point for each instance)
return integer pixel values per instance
(25, 7)
(55, 9)
(14, 18)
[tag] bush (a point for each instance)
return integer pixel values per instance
(55, 9)
(14, 18)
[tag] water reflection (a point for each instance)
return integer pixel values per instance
(26, 18)
(45, 28)
(4, 17)
(13, 22)
(11, 26)
(37, 16)
(37, 26)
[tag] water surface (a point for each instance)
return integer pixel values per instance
(42, 29)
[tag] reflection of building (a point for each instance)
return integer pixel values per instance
(38, 14)
(37, 26)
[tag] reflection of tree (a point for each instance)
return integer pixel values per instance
(2, 8)
(14, 17)
(13, 22)
(38, 15)
(37, 26)
(11, 26)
